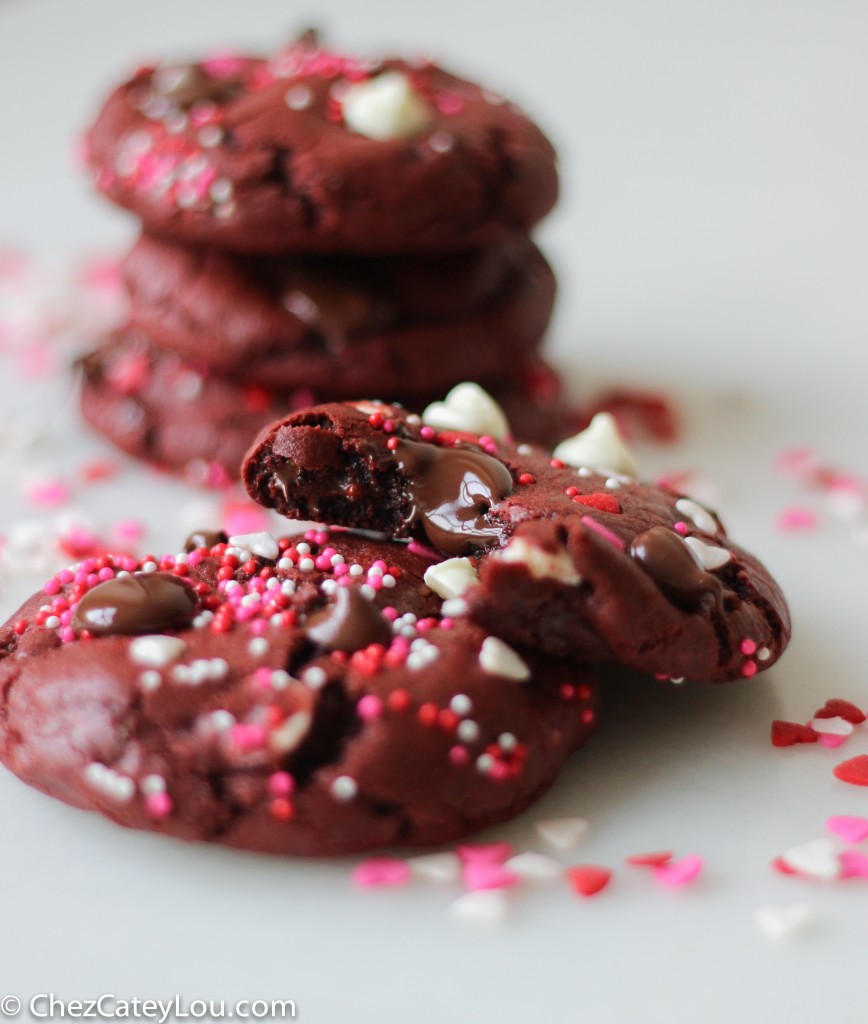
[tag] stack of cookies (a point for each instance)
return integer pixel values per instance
(316, 227)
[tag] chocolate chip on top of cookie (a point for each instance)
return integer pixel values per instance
(571, 554)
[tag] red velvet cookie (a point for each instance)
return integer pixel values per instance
(576, 560)
(344, 326)
(295, 697)
(181, 416)
(315, 152)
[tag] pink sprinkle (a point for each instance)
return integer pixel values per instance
(603, 531)
(830, 741)
(679, 872)
(427, 433)
(47, 492)
(281, 784)
(485, 853)
(459, 755)
(681, 528)
(106, 573)
(239, 519)
(380, 871)
(854, 864)
(415, 548)
(52, 587)
(158, 805)
(341, 569)
(129, 529)
(389, 613)
(849, 827)
(748, 648)
(369, 707)
(480, 875)
(795, 518)
(67, 635)
(249, 736)
(748, 669)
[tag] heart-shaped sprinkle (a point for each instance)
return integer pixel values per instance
(679, 872)
(534, 867)
(854, 771)
(784, 922)
(709, 556)
(480, 875)
(488, 906)
(836, 708)
(788, 734)
(562, 833)
(701, 517)
(782, 868)
(381, 871)
(816, 859)
(588, 879)
(854, 864)
(601, 502)
(835, 726)
(649, 860)
(832, 742)
(848, 827)
(435, 867)
(485, 853)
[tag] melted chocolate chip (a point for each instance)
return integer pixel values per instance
(204, 539)
(335, 307)
(141, 603)
(453, 489)
(349, 623)
(669, 562)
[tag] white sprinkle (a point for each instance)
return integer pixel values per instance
(337, 559)
(562, 833)
(454, 608)
(210, 136)
(701, 518)
(298, 97)
(221, 190)
(329, 587)
(261, 544)
(467, 731)
(306, 564)
(784, 922)
(284, 563)
(152, 784)
(156, 651)
(435, 867)
(280, 679)
(150, 567)
(221, 720)
(484, 763)
(763, 654)
(150, 679)
(708, 556)
(461, 704)
(52, 622)
(259, 646)
(442, 142)
(507, 741)
(314, 677)
(816, 859)
(290, 733)
(499, 659)
(303, 548)
(389, 581)
(343, 788)
(535, 867)
(488, 906)
(356, 570)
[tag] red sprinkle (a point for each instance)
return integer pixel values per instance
(788, 734)
(649, 860)
(599, 501)
(854, 771)
(837, 708)
(588, 879)
(526, 478)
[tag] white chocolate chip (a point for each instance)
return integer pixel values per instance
(385, 107)
(500, 659)
(261, 544)
(451, 578)
(598, 446)
(540, 563)
(701, 518)
(469, 408)
(709, 556)
(156, 651)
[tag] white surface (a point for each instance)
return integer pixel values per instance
(711, 241)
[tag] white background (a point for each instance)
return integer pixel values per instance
(712, 241)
